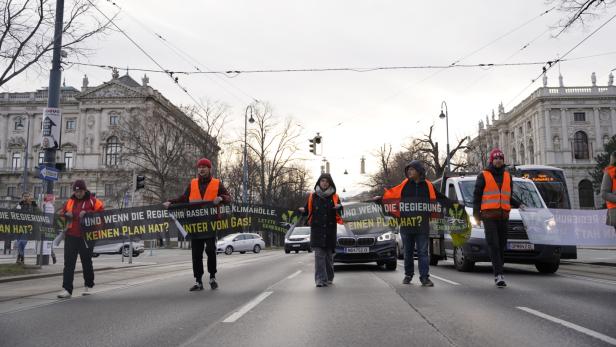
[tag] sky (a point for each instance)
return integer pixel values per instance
(354, 112)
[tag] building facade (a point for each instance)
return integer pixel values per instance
(91, 146)
(559, 126)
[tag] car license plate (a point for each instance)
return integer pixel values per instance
(296, 245)
(520, 246)
(358, 250)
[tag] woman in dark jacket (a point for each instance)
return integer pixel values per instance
(323, 210)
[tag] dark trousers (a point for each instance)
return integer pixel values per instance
(409, 239)
(496, 238)
(74, 246)
(197, 257)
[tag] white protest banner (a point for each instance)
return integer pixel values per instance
(568, 227)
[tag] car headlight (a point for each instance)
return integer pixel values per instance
(476, 223)
(386, 237)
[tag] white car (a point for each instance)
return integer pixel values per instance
(119, 248)
(240, 242)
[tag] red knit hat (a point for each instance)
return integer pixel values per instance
(496, 153)
(204, 162)
(79, 185)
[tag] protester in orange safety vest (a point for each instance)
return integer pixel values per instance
(203, 188)
(492, 201)
(608, 190)
(414, 187)
(324, 213)
(73, 210)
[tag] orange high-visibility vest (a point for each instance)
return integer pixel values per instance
(611, 170)
(211, 192)
(494, 198)
(336, 202)
(98, 206)
(395, 194)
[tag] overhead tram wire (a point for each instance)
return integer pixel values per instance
(187, 58)
(168, 73)
(345, 69)
(457, 61)
(551, 64)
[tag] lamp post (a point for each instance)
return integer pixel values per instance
(245, 171)
(446, 116)
(24, 185)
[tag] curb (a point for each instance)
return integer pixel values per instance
(53, 274)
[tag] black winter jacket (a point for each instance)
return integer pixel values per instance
(478, 193)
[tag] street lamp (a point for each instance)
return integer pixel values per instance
(20, 125)
(245, 173)
(446, 116)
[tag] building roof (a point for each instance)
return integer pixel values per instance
(129, 81)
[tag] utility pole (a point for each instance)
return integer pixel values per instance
(53, 100)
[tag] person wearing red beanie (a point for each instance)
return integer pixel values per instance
(492, 201)
(203, 188)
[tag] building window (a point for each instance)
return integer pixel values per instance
(112, 152)
(529, 126)
(64, 190)
(11, 191)
(109, 189)
(556, 141)
(513, 156)
(522, 154)
(531, 151)
(580, 145)
(587, 196)
(16, 161)
(579, 116)
(69, 160)
(41, 158)
(114, 119)
(18, 125)
(71, 124)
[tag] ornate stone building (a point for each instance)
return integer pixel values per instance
(559, 126)
(91, 147)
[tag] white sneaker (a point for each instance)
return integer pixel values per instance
(87, 291)
(64, 294)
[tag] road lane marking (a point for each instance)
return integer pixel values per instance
(590, 279)
(575, 327)
(445, 280)
(401, 262)
(294, 274)
(244, 309)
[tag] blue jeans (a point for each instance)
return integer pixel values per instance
(21, 247)
(409, 238)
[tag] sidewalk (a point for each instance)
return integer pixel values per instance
(101, 263)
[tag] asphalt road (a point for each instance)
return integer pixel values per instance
(270, 299)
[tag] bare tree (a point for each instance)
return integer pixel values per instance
(578, 11)
(211, 116)
(427, 147)
(159, 148)
(274, 146)
(27, 29)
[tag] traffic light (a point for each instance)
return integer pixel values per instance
(139, 182)
(317, 139)
(313, 146)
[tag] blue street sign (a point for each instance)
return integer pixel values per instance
(48, 173)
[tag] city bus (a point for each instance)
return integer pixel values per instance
(552, 186)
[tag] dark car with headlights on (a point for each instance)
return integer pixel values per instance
(297, 239)
(366, 236)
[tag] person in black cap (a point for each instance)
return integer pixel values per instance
(75, 245)
(324, 213)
